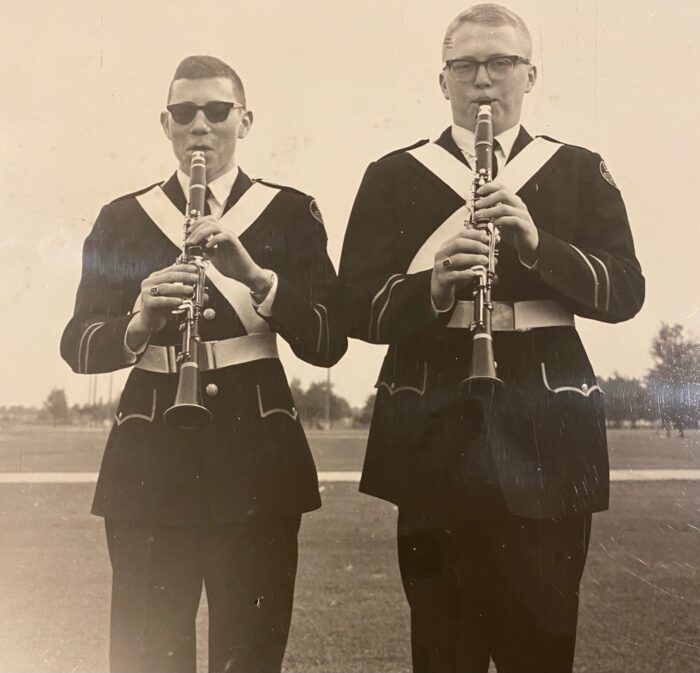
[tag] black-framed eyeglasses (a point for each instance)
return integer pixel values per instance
(215, 111)
(497, 67)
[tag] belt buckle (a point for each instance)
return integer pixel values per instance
(511, 316)
(503, 316)
(171, 359)
(209, 350)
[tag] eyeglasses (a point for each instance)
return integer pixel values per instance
(497, 67)
(215, 111)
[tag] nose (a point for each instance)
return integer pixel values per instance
(200, 123)
(482, 79)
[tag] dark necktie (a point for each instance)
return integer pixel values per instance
(207, 195)
(494, 165)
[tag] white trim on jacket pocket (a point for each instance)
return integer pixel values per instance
(583, 390)
(280, 410)
(119, 419)
(419, 391)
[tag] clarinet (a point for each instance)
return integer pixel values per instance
(188, 412)
(482, 373)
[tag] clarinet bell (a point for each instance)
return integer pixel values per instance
(188, 412)
(482, 378)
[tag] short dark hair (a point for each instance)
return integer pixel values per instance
(490, 14)
(203, 67)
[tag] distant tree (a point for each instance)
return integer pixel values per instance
(312, 404)
(625, 400)
(297, 392)
(313, 409)
(674, 380)
(364, 416)
(340, 407)
(56, 407)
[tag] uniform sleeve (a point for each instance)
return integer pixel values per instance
(381, 302)
(305, 307)
(93, 342)
(598, 271)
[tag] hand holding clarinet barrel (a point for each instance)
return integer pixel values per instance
(178, 288)
(469, 258)
(162, 292)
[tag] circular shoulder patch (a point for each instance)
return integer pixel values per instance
(606, 174)
(315, 211)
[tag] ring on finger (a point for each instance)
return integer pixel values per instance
(447, 263)
(155, 291)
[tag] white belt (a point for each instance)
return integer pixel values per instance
(213, 354)
(518, 316)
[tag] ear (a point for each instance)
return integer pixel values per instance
(443, 85)
(165, 123)
(531, 78)
(246, 123)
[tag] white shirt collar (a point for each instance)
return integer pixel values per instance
(220, 188)
(464, 139)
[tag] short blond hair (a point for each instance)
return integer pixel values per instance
(489, 14)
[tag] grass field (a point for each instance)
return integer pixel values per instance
(640, 594)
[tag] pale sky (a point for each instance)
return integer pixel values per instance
(333, 85)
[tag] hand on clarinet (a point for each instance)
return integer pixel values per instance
(453, 267)
(511, 215)
(161, 293)
(228, 254)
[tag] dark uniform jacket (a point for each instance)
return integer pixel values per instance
(253, 459)
(538, 447)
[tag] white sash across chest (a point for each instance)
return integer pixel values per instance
(459, 177)
(237, 220)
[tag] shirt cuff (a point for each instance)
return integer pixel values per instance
(437, 311)
(264, 307)
(132, 356)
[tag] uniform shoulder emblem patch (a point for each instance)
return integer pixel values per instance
(606, 174)
(316, 211)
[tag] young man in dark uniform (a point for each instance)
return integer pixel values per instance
(220, 506)
(495, 494)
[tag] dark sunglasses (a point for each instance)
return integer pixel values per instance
(215, 111)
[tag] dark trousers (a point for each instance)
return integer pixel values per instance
(505, 589)
(248, 571)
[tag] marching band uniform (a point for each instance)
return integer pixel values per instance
(472, 477)
(241, 483)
